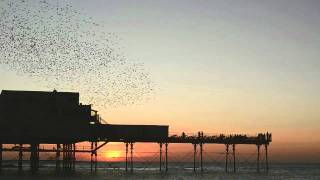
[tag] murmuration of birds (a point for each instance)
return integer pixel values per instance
(56, 45)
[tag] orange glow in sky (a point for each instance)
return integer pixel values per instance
(114, 154)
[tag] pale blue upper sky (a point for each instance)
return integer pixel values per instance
(264, 51)
(227, 43)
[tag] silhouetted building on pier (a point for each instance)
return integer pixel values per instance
(58, 117)
(43, 117)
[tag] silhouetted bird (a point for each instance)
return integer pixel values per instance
(63, 48)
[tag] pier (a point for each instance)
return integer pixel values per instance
(198, 142)
(31, 118)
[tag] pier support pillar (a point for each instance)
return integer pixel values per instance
(1, 146)
(234, 157)
(65, 149)
(74, 158)
(93, 160)
(58, 157)
(68, 157)
(127, 157)
(20, 157)
(95, 156)
(34, 157)
(131, 157)
(227, 157)
(194, 156)
(267, 163)
(258, 158)
(166, 146)
(201, 159)
(160, 157)
(63, 156)
(91, 157)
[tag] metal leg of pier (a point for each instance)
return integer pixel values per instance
(91, 157)
(95, 156)
(1, 146)
(227, 156)
(63, 156)
(166, 145)
(267, 163)
(64, 159)
(131, 156)
(194, 156)
(58, 157)
(234, 157)
(258, 158)
(74, 157)
(68, 157)
(160, 157)
(201, 159)
(127, 157)
(34, 158)
(20, 157)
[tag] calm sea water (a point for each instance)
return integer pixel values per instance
(178, 171)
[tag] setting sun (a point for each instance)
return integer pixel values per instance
(112, 154)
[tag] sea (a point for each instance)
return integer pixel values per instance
(176, 171)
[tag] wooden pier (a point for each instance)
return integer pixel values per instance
(29, 119)
(69, 151)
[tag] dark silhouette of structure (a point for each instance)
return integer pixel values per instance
(34, 117)
(43, 117)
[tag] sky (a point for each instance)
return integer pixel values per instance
(219, 67)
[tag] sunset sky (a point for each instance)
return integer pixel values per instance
(219, 67)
